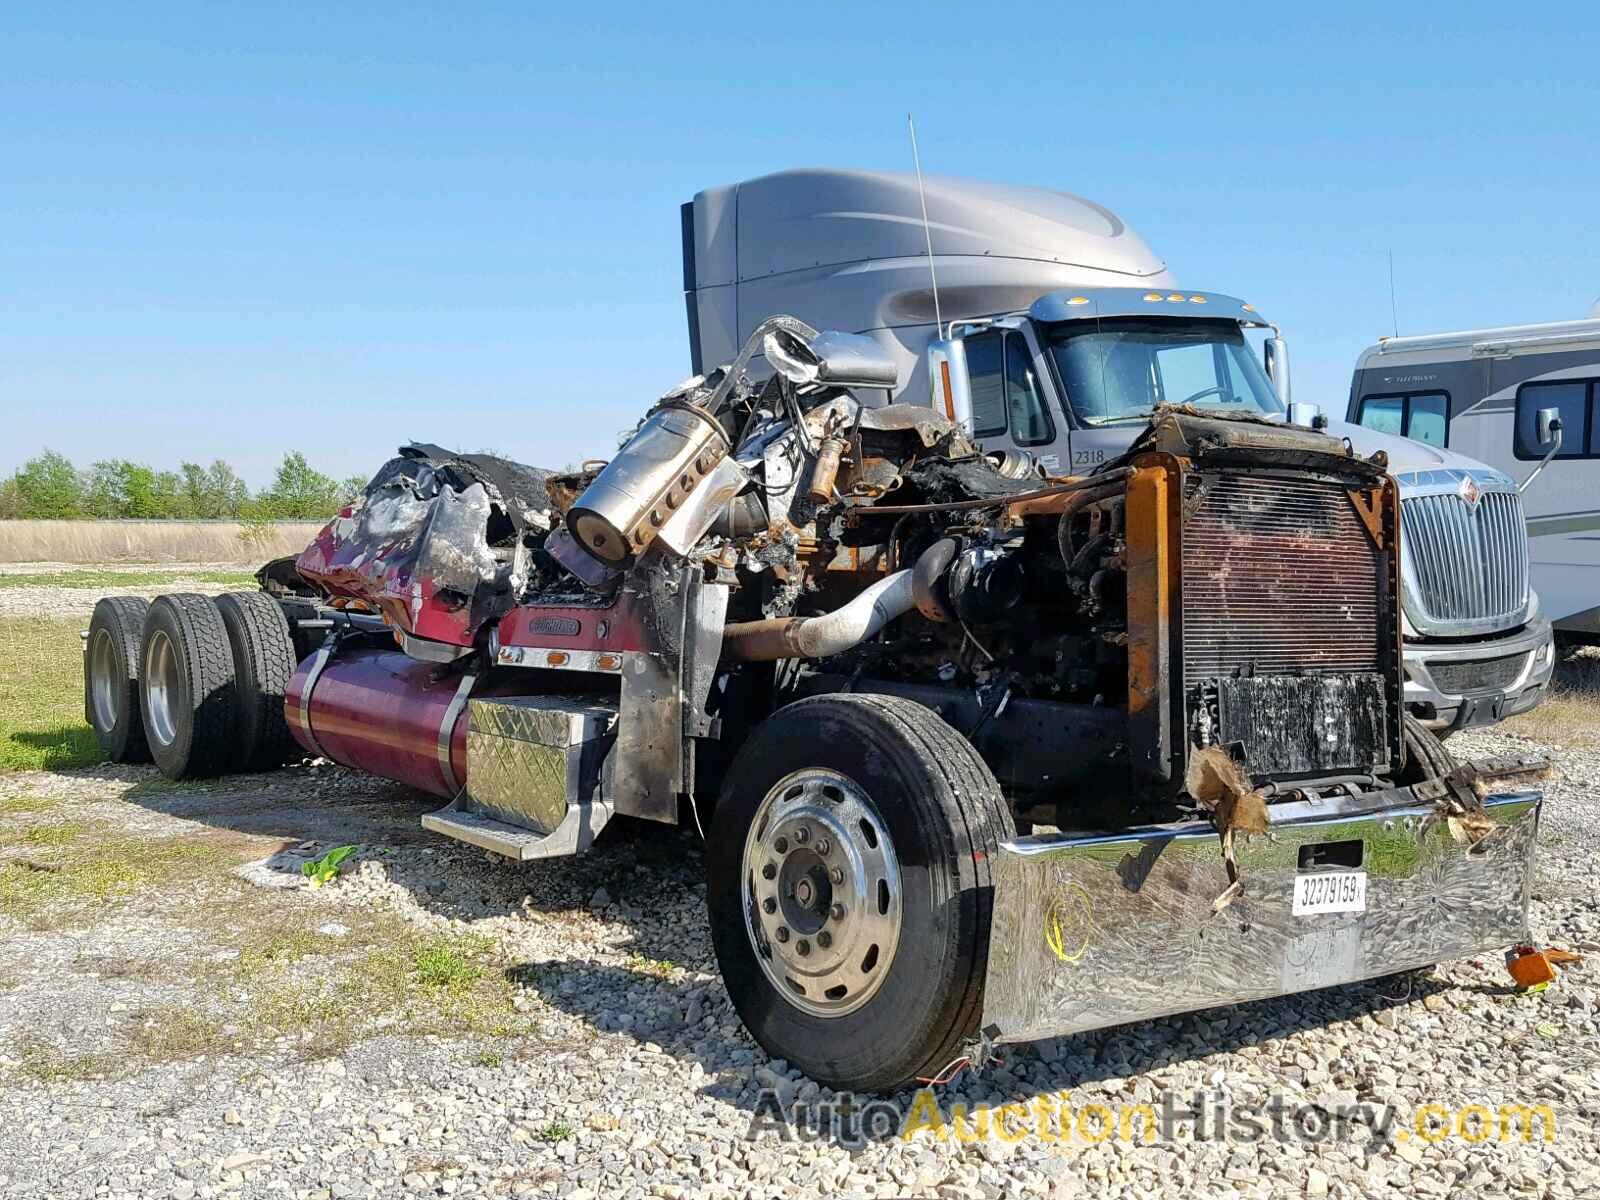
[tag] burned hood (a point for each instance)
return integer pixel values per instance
(438, 543)
(1189, 432)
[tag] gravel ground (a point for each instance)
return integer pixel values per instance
(627, 1072)
(49, 601)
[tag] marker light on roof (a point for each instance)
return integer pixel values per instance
(1079, 300)
(1197, 299)
(1153, 296)
(1248, 307)
(1176, 296)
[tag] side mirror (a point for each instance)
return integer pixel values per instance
(950, 388)
(1275, 356)
(1548, 421)
(830, 359)
(1547, 424)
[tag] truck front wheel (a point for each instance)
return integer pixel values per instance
(849, 887)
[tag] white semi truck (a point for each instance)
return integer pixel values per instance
(1495, 394)
(1056, 331)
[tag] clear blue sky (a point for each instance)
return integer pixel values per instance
(234, 229)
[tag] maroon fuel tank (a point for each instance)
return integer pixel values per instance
(384, 712)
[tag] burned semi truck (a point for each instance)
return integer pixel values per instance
(979, 755)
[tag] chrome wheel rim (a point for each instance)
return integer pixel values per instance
(822, 894)
(163, 688)
(105, 680)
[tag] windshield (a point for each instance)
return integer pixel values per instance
(1121, 370)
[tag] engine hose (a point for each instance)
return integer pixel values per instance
(927, 576)
(1090, 548)
(1071, 509)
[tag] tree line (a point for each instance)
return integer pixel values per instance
(50, 487)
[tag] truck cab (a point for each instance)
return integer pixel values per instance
(1046, 322)
(1069, 380)
(1073, 379)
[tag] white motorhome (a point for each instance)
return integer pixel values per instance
(1482, 392)
(1054, 330)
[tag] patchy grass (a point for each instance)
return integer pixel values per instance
(446, 967)
(287, 985)
(127, 579)
(660, 968)
(175, 1031)
(55, 875)
(58, 834)
(274, 949)
(1569, 715)
(402, 983)
(556, 1131)
(41, 695)
(164, 1034)
(24, 804)
(46, 1062)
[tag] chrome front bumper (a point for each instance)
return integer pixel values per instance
(1099, 930)
(1429, 665)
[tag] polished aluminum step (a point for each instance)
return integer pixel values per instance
(576, 832)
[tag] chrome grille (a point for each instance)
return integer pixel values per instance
(1279, 576)
(1456, 677)
(1467, 568)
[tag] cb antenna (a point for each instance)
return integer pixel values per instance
(1394, 309)
(927, 230)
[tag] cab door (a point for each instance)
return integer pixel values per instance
(1011, 406)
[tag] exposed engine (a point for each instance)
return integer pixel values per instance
(1226, 586)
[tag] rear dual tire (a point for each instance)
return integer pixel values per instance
(264, 659)
(195, 684)
(187, 688)
(111, 678)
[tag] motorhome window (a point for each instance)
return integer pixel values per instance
(1030, 420)
(1120, 370)
(1424, 416)
(1573, 399)
(1428, 418)
(986, 378)
(1386, 414)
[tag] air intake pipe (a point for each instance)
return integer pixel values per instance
(828, 634)
(949, 582)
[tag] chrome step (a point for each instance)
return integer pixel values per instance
(576, 832)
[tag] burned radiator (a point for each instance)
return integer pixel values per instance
(1284, 627)
(1278, 576)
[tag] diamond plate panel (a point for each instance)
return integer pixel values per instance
(548, 720)
(528, 759)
